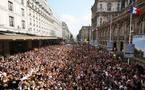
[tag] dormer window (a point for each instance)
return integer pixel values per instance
(109, 6)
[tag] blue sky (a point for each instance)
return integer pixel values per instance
(139, 43)
(75, 13)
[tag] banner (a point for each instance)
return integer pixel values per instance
(129, 53)
(110, 45)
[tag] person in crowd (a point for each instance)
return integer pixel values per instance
(69, 67)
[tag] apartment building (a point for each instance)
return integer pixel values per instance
(25, 24)
(29, 17)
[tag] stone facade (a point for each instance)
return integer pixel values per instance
(33, 17)
(120, 27)
(103, 10)
(66, 34)
(84, 34)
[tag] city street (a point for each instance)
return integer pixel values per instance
(72, 44)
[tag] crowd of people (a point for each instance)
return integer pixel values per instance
(69, 67)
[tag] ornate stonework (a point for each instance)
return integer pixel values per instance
(120, 27)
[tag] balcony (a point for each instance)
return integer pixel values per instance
(121, 38)
(37, 1)
(106, 11)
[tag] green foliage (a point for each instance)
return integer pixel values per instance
(138, 53)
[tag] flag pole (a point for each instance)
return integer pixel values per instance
(130, 29)
(110, 28)
(130, 33)
(110, 37)
(90, 34)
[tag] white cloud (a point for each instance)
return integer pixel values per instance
(87, 18)
(76, 22)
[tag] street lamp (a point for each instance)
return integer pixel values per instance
(110, 43)
(90, 31)
(110, 28)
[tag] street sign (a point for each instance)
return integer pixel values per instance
(110, 45)
(129, 53)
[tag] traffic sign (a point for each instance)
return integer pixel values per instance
(110, 45)
(129, 53)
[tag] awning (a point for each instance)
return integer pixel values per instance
(25, 37)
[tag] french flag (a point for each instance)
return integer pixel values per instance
(134, 10)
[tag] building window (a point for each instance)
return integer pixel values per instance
(143, 27)
(23, 12)
(11, 21)
(118, 7)
(30, 21)
(122, 4)
(33, 22)
(10, 5)
(22, 2)
(30, 14)
(30, 29)
(23, 24)
(100, 6)
(100, 21)
(109, 6)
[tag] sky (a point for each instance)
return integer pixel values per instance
(76, 13)
(139, 43)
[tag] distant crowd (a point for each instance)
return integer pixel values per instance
(69, 67)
